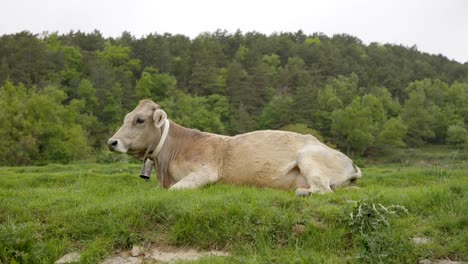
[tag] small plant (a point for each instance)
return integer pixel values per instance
(370, 222)
(369, 217)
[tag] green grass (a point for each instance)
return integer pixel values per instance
(424, 156)
(48, 211)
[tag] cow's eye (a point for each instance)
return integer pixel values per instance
(140, 120)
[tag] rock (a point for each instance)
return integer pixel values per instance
(69, 258)
(122, 260)
(219, 253)
(137, 251)
(420, 240)
(174, 255)
(160, 254)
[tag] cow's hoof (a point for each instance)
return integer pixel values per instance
(302, 193)
(144, 177)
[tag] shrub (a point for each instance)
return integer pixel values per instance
(457, 135)
(370, 222)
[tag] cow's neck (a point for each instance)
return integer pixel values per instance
(178, 138)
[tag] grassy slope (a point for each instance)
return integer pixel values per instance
(48, 211)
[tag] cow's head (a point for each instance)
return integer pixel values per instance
(140, 131)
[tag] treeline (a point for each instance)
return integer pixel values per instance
(63, 95)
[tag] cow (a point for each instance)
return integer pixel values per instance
(187, 158)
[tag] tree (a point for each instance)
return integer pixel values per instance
(264, 79)
(27, 58)
(93, 41)
(458, 98)
(68, 60)
(239, 88)
(154, 85)
(37, 127)
(429, 111)
(417, 115)
(346, 88)
(392, 134)
(457, 135)
(277, 113)
(352, 127)
(327, 103)
(357, 126)
(113, 110)
(293, 75)
(87, 93)
(391, 106)
(204, 113)
(241, 121)
(84, 107)
(207, 58)
(124, 69)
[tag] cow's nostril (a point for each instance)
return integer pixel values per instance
(112, 143)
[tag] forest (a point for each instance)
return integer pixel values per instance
(63, 95)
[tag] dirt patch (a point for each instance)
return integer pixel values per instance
(68, 258)
(157, 254)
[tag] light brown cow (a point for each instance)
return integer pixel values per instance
(188, 158)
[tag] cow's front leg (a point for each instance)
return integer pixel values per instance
(195, 180)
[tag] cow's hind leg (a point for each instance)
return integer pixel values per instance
(310, 168)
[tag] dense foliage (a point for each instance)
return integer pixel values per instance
(62, 96)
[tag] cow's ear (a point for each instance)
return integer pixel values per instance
(159, 117)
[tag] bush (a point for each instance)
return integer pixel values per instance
(457, 135)
(22, 244)
(45, 129)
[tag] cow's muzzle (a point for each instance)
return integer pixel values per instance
(116, 145)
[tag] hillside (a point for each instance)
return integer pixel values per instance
(62, 96)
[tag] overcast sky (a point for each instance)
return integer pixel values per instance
(433, 26)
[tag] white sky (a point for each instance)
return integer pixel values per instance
(433, 26)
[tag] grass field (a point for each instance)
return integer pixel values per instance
(46, 212)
